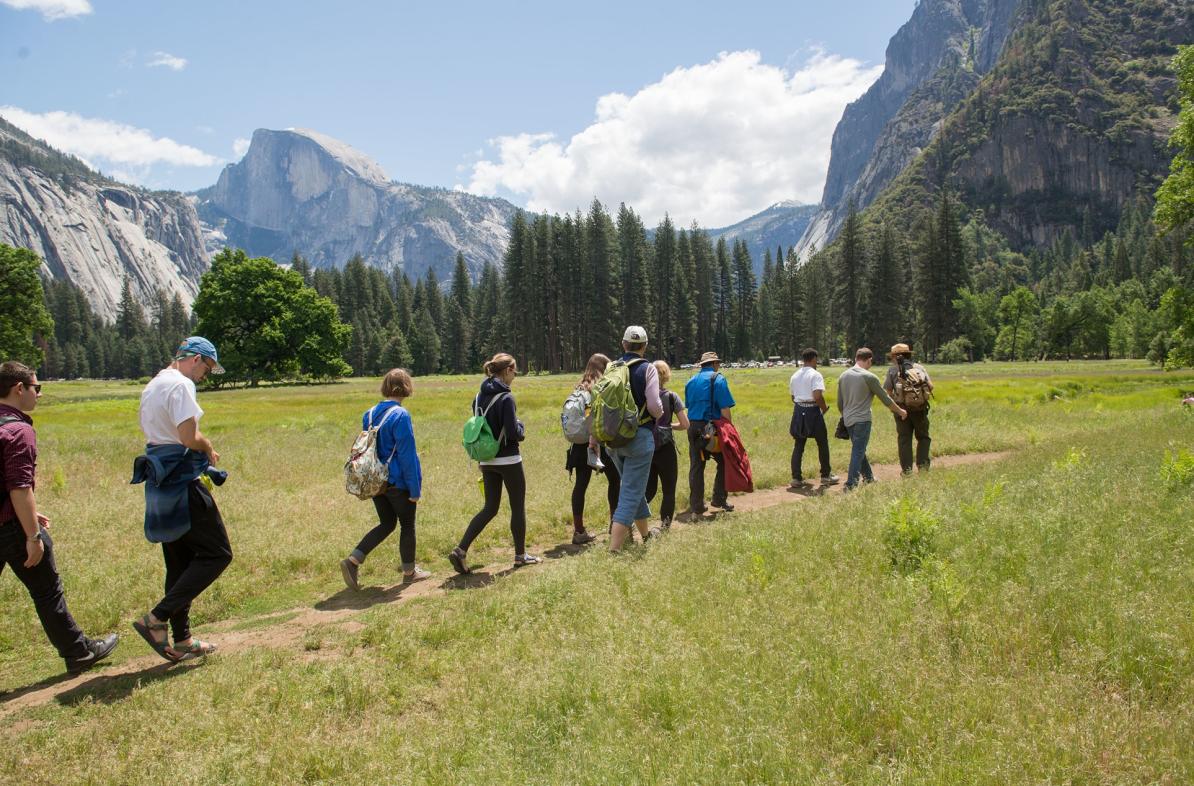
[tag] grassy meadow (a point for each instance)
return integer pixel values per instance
(1022, 621)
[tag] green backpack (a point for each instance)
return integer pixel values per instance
(614, 419)
(478, 440)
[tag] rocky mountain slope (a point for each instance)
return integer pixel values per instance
(93, 231)
(782, 224)
(933, 62)
(298, 190)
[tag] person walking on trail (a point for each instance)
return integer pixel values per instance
(664, 468)
(586, 460)
(633, 459)
(397, 504)
(497, 403)
(807, 387)
(707, 396)
(180, 512)
(25, 543)
(910, 386)
(856, 387)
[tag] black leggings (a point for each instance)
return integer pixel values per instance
(516, 485)
(584, 473)
(664, 469)
(393, 507)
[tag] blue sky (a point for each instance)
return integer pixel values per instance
(710, 111)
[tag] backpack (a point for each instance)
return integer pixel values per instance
(478, 439)
(365, 475)
(613, 417)
(911, 388)
(574, 417)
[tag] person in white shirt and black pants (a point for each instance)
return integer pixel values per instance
(808, 418)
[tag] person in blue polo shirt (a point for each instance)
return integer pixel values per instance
(707, 397)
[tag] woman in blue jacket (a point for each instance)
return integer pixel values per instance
(395, 505)
(503, 469)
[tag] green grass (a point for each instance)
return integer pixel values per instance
(1020, 622)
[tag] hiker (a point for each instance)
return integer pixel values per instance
(633, 459)
(909, 386)
(180, 512)
(707, 396)
(663, 463)
(497, 403)
(397, 504)
(585, 459)
(807, 387)
(25, 543)
(855, 389)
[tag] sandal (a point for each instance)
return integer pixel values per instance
(456, 557)
(526, 559)
(418, 574)
(145, 629)
(196, 649)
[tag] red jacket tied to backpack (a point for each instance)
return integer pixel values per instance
(733, 452)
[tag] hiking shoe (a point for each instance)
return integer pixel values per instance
(456, 557)
(418, 574)
(522, 560)
(348, 569)
(799, 483)
(829, 480)
(725, 506)
(582, 537)
(665, 522)
(97, 650)
(652, 534)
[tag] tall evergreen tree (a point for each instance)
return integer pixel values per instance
(850, 280)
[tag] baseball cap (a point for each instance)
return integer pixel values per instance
(635, 335)
(198, 345)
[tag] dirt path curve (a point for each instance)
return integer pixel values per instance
(292, 628)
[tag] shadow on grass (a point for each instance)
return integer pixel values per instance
(808, 491)
(567, 549)
(106, 688)
(363, 598)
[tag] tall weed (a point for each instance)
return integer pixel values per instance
(908, 534)
(1177, 468)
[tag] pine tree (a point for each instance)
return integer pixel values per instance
(849, 280)
(724, 303)
(703, 288)
(887, 294)
(633, 252)
(683, 315)
(424, 343)
(604, 311)
(663, 287)
(744, 300)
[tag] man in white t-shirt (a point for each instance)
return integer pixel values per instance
(808, 418)
(180, 512)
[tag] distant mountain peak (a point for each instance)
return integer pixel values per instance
(360, 164)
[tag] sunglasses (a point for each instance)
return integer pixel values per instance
(35, 388)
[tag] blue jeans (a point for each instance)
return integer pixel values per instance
(860, 435)
(633, 461)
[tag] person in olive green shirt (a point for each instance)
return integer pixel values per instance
(856, 387)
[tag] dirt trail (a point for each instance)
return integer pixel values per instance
(299, 627)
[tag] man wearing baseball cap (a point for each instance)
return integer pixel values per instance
(180, 513)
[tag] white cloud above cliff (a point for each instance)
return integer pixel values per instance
(52, 10)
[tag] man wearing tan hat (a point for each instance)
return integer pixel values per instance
(909, 385)
(707, 397)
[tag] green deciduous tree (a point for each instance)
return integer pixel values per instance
(1175, 198)
(23, 314)
(267, 324)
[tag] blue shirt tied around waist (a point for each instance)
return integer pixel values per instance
(167, 472)
(397, 437)
(696, 395)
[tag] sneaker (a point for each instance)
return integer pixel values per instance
(522, 560)
(725, 506)
(581, 538)
(348, 569)
(829, 480)
(418, 574)
(652, 534)
(456, 557)
(97, 650)
(665, 522)
(799, 483)
(594, 460)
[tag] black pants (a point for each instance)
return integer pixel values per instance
(584, 473)
(516, 485)
(821, 435)
(917, 424)
(45, 587)
(664, 471)
(193, 561)
(393, 507)
(696, 470)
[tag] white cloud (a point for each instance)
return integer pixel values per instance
(52, 10)
(240, 146)
(106, 144)
(167, 60)
(715, 143)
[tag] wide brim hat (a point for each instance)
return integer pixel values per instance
(901, 349)
(709, 357)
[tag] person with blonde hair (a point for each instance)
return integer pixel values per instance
(397, 504)
(497, 403)
(664, 469)
(585, 460)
